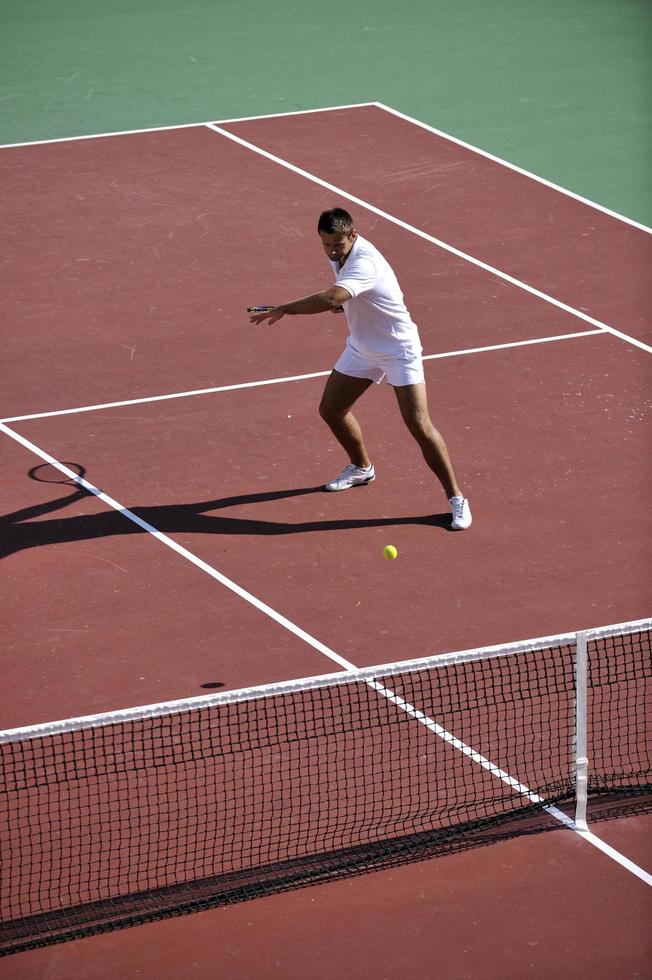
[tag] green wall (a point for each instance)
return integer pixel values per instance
(560, 87)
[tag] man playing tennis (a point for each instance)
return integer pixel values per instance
(383, 342)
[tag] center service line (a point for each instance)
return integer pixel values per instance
(430, 238)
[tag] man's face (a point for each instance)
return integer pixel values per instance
(337, 246)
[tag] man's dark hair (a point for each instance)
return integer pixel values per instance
(336, 221)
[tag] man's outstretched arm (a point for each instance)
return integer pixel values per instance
(327, 300)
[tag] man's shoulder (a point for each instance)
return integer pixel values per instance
(364, 248)
(364, 254)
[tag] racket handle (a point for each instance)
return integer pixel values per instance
(259, 309)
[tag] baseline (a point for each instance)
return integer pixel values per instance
(353, 105)
(163, 129)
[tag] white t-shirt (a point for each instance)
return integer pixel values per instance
(376, 314)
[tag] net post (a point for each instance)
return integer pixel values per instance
(581, 760)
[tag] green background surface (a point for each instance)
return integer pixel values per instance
(560, 87)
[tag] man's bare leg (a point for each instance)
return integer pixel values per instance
(340, 393)
(413, 404)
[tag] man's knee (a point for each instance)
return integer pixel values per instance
(327, 412)
(420, 426)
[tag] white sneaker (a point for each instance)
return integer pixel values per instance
(352, 476)
(461, 513)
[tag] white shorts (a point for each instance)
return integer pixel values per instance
(403, 368)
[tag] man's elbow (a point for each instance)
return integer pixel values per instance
(335, 298)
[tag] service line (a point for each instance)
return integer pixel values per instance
(295, 377)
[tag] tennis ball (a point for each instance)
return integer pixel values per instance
(389, 551)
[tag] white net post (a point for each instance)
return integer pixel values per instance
(581, 760)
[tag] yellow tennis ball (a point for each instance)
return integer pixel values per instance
(389, 551)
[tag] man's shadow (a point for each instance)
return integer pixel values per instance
(23, 529)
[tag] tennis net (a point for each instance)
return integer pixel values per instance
(115, 819)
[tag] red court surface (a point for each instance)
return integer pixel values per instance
(132, 259)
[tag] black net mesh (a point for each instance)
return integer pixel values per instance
(121, 823)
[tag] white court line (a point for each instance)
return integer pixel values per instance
(514, 167)
(352, 105)
(430, 238)
(238, 590)
(296, 112)
(166, 129)
(441, 244)
(180, 550)
(295, 377)
(591, 838)
(101, 136)
(513, 783)
(287, 624)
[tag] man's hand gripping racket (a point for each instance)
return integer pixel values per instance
(262, 313)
